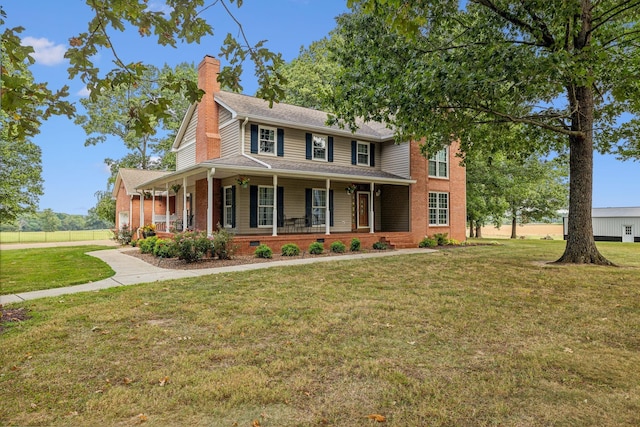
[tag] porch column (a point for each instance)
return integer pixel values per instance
(185, 222)
(327, 213)
(153, 206)
(142, 209)
(166, 211)
(275, 206)
(372, 220)
(210, 201)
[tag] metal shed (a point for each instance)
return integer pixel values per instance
(613, 224)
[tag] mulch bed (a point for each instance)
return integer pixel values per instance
(177, 264)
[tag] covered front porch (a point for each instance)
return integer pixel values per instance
(259, 204)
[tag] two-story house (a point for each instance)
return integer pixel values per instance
(281, 175)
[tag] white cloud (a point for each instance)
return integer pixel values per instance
(83, 93)
(46, 52)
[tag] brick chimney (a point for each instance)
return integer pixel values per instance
(207, 131)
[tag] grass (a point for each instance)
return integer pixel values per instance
(53, 236)
(36, 269)
(472, 336)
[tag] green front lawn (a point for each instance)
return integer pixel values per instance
(474, 336)
(24, 270)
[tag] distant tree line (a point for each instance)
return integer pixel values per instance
(47, 220)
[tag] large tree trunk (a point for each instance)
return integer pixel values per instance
(514, 224)
(581, 247)
(471, 235)
(478, 230)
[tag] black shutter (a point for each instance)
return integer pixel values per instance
(280, 142)
(308, 207)
(330, 150)
(233, 206)
(254, 139)
(331, 208)
(253, 206)
(309, 145)
(372, 155)
(354, 151)
(280, 206)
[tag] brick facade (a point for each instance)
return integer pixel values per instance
(455, 185)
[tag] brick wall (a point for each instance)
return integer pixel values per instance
(455, 185)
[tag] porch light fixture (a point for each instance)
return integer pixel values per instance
(378, 192)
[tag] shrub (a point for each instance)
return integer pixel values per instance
(148, 245)
(428, 242)
(338, 247)
(355, 244)
(222, 242)
(453, 242)
(165, 248)
(290, 249)
(441, 238)
(381, 246)
(316, 248)
(263, 251)
(123, 235)
(192, 246)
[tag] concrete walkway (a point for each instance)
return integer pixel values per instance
(131, 271)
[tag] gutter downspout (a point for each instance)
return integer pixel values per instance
(242, 153)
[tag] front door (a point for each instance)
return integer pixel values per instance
(627, 233)
(363, 210)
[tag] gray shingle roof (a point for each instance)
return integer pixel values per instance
(132, 178)
(292, 115)
(288, 166)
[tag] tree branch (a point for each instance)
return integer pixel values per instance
(525, 120)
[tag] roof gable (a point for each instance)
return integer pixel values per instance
(132, 178)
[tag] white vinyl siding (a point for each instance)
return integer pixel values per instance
(295, 148)
(190, 133)
(224, 115)
(394, 158)
(230, 140)
(186, 156)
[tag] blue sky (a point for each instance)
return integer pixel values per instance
(73, 173)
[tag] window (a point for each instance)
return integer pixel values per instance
(628, 230)
(319, 147)
(438, 208)
(267, 141)
(319, 206)
(265, 206)
(228, 207)
(363, 154)
(439, 164)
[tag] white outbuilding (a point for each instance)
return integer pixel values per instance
(613, 224)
